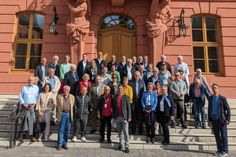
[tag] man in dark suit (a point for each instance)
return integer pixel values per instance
(122, 64)
(72, 79)
(138, 87)
(164, 62)
(41, 71)
(83, 66)
(140, 62)
(100, 62)
(197, 94)
(219, 117)
(128, 70)
(55, 65)
(112, 62)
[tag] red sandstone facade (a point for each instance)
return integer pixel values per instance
(11, 80)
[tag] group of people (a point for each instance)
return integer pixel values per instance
(132, 94)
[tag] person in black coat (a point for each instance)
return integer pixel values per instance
(55, 65)
(72, 79)
(113, 61)
(83, 67)
(128, 70)
(165, 112)
(100, 62)
(218, 118)
(105, 102)
(41, 71)
(162, 63)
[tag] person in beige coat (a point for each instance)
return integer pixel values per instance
(65, 114)
(55, 83)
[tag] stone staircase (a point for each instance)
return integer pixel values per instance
(181, 139)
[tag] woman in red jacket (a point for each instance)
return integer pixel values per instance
(85, 82)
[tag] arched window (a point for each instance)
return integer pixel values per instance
(206, 43)
(28, 41)
(117, 20)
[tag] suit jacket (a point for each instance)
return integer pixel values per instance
(224, 109)
(60, 103)
(70, 81)
(125, 73)
(141, 89)
(175, 88)
(81, 70)
(109, 64)
(100, 65)
(95, 94)
(126, 109)
(168, 111)
(56, 68)
(39, 72)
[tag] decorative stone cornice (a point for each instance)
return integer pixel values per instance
(117, 3)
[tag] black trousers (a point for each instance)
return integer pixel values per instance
(105, 121)
(150, 124)
(137, 117)
(164, 121)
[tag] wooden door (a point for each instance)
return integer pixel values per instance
(118, 41)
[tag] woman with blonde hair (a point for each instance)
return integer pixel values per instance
(85, 82)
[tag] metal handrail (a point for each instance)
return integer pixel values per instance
(14, 117)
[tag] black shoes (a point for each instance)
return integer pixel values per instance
(165, 143)
(65, 147)
(152, 141)
(184, 126)
(109, 141)
(126, 150)
(148, 140)
(92, 131)
(101, 140)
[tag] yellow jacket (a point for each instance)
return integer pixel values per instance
(60, 101)
(129, 93)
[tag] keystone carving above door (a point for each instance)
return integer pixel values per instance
(117, 3)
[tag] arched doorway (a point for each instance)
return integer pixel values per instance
(117, 35)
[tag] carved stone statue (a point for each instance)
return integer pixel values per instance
(78, 27)
(160, 14)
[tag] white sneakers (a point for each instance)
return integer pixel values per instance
(74, 139)
(83, 139)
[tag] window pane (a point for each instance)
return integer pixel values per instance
(23, 28)
(21, 49)
(212, 53)
(197, 22)
(211, 23)
(211, 35)
(34, 61)
(38, 24)
(199, 64)
(36, 50)
(20, 62)
(198, 52)
(213, 66)
(197, 35)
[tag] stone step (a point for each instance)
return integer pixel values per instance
(191, 116)
(233, 110)
(178, 146)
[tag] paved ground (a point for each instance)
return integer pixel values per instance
(85, 152)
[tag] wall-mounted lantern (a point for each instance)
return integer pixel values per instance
(53, 25)
(182, 25)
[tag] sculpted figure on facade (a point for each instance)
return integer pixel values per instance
(160, 14)
(78, 26)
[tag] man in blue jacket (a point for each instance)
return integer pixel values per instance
(149, 104)
(197, 93)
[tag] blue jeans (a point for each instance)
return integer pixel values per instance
(199, 108)
(220, 132)
(64, 129)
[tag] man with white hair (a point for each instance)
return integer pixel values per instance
(128, 70)
(55, 65)
(65, 115)
(181, 66)
(72, 79)
(28, 99)
(164, 62)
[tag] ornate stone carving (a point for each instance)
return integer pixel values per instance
(160, 14)
(39, 4)
(78, 26)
